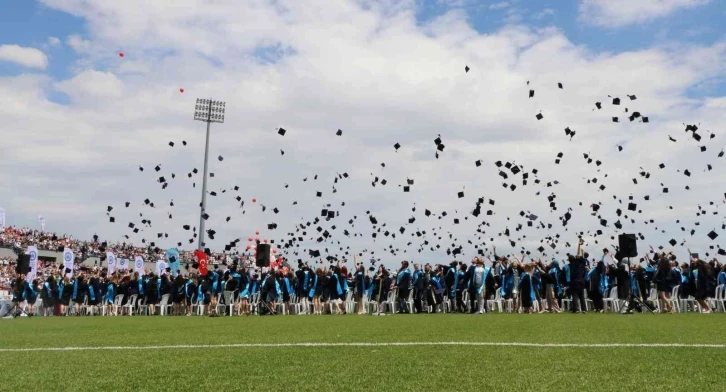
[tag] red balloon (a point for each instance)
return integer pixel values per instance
(121, 54)
(249, 247)
(257, 239)
(250, 239)
(254, 200)
(274, 251)
(181, 90)
(257, 233)
(265, 241)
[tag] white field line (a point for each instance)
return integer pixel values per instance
(369, 344)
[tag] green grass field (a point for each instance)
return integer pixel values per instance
(374, 368)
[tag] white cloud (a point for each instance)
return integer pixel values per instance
(499, 5)
(381, 77)
(80, 45)
(543, 13)
(54, 41)
(27, 57)
(617, 13)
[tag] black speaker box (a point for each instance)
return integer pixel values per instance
(263, 255)
(628, 245)
(23, 266)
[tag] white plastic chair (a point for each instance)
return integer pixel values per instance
(720, 299)
(131, 304)
(653, 298)
(227, 303)
(117, 303)
(390, 303)
(610, 299)
(674, 298)
(164, 304)
(496, 301)
(255, 303)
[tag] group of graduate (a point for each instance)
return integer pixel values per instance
(456, 287)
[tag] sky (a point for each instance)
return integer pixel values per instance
(79, 120)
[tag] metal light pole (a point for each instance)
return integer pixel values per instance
(208, 111)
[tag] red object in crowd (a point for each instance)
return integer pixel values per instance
(265, 241)
(181, 90)
(250, 239)
(274, 251)
(202, 260)
(257, 233)
(254, 200)
(121, 54)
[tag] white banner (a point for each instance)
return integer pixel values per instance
(111, 262)
(41, 220)
(139, 264)
(123, 264)
(68, 258)
(33, 253)
(2, 218)
(160, 267)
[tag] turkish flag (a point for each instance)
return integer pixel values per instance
(202, 260)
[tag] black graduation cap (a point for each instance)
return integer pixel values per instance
(112, 219)
(136, 230)
(539, 116)
(109, 209)
(397, 146)
(275, 210)
(615, 119)
(406, 188)
(712, 235)
(213, 193)
(141, 168)
(281, 131)
(687, 173)
(460, 194)
(466, 68)
(632, 206)
(427, 213)
(616, 101)
(531, 93)
(205, 216)
(339, 133)
(131, 225)
(673, 242)
(157, 168)
(559, 85)
(319, 194)
(598, 105)
(171, 144)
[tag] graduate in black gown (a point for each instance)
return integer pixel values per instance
(380, 288)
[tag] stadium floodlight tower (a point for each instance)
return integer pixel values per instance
(209, 111)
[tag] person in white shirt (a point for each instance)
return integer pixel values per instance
(477, 283)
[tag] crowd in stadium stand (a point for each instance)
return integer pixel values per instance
(19, 239)
(505, 283)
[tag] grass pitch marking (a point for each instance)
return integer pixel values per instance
(369, 344)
